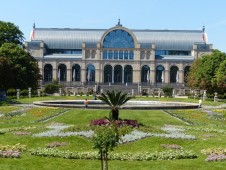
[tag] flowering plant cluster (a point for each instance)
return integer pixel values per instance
(145, 156)
(100, 122)
(22, 133)
(8, 151)
(9, 154)
(56, 144)
(171, 146)
(5, 130)
(215, 154)
(14, 113)
(215, 157)
(215, 115)
(209, 130)
(57, 130)
(18, 147)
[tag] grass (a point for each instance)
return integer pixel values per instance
(81, 118)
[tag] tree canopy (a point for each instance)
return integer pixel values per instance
(10, 33)
(18, 68)
(208, 73)
(114, 100)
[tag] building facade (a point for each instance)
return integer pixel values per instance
(116, 56)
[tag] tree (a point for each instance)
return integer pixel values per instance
(114, 100)
(10, 33)
(202, 74)
(106, 138)
(6, 75)
(221, 77)
(20, 67)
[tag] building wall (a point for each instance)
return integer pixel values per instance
(94, 56)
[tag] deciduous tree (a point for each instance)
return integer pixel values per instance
(19, 66)
(10, 33)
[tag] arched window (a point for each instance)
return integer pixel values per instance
(160, 74)
(48, 72)
(76, 71)
(118, 74)
(118, 39)
(107, 74)
(174, 74)
(186, 70)
(145, 74)
(62, 72)
(128, 74)
(90, 73)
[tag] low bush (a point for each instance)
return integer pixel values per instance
(168, 91)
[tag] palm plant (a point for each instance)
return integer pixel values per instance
(114, 100)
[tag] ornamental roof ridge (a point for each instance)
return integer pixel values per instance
(133, 30)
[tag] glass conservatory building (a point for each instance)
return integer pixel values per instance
(116, 56)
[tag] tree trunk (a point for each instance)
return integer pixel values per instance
(106, 161)
(115, 114)
(101, 161)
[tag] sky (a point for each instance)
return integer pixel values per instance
(134, 14)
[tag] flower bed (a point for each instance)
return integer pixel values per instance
(147, 156)
(214, 154)
(22, 133)
(100, 122)
(56, 144)
(12, 151)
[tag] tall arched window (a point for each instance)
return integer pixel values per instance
(48, 72)
(117, 39)
(186, 70)
(76, 71)
(174, 74)
(108, 74)
(118, 74)
(145, 74)
(62, 72)
(90, 73)
(128, 74)
(160, 74)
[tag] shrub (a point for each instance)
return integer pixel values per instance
(52, 88)
(11, 92)
(168, 91)
(24, 92)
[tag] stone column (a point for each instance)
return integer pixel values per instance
(29, 92)
(112, 77)
(122, 76)
(181, 74)
(152, 73)
(167, 73)
(18, 93)
(69, 75)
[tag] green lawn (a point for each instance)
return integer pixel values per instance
(209, 133)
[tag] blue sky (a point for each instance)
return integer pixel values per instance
(134, 14)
